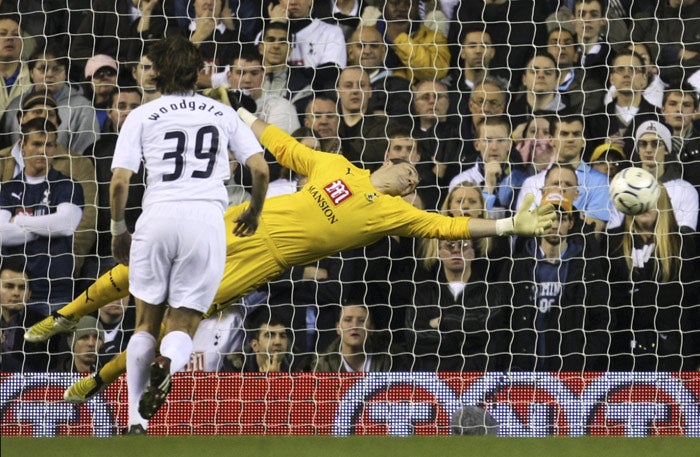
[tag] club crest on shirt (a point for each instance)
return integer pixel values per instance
(337, 191)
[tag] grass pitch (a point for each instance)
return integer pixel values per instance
(365, 446)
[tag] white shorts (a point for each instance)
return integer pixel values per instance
(177, 255)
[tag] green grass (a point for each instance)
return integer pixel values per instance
(368, 446)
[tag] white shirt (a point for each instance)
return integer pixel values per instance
(216, 336)
(318, 43)
(184, 140)
(277, 111)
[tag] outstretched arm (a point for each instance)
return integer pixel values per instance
(526, 222)
(256, 124)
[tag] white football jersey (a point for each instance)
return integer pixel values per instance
(184, 140)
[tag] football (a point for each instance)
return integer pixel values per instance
(634, 191)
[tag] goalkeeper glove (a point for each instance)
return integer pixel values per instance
(527, 222)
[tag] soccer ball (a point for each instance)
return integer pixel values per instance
(634, 191)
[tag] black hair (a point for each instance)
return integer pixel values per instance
(14, 263)
(265, 316)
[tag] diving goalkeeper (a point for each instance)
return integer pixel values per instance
(341, 207)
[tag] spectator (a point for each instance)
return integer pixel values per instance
(590, 22)
(122, 102)
(322, 120)
(305, 297)
(47, 68)
(15, 316)
(539, 93)
(680, 110)
(355, 349)
(653, 144)
(593, 196)
(391, 94)
(246, 74)
(515, 26)
(475, 56)
(85, 344)
(40, 224)
(609, 159)
(436, 130)
(270, 345)
(41, 105)
(118, 319)
(101, 82)
(343, 13)
(144, 75)
(628, 108)
(672, 30)
(582, 90)
(402, 145)
(456, 326)
(417, 49)
(498, 171)
(113, 27)
(534, 141)
(316, 44)
(362, 135)
(488, 98)
(467, 199)
(654, 93)
(242, 17)
(287, 81)
(15, 80)
(654, 290)
(215, 41)
(557, 298)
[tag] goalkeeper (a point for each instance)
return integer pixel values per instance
(341, 207)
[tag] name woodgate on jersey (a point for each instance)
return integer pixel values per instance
(185, 105)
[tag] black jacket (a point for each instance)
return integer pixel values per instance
(655, 323)
(577, 338)
(473, 330)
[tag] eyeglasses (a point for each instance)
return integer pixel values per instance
(452, 245)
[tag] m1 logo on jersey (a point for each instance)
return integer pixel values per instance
(337, 191)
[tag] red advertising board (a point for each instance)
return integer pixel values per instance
(524, 404)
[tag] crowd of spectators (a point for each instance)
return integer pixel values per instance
(490, 99)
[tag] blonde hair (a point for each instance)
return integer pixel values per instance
(666, 237)
(429, 248)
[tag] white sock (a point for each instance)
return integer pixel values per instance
(140, 353)
(177, 346)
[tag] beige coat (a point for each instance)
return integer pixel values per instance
(20, 87)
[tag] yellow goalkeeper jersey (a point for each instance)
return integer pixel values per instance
(338, 208)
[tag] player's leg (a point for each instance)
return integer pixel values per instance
(109, 287)
(140, 354)
(192, 283)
